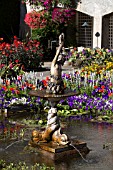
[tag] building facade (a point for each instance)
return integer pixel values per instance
(94, 21)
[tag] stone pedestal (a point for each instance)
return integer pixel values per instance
(56, 152)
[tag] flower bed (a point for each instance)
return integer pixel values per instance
(25, 55)
(95, 88)
(93, 59)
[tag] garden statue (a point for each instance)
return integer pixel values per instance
(56, 84)
(52, 138)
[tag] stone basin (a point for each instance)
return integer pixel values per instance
(57, 144)
(52, 97)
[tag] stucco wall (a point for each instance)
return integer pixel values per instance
(97, 9)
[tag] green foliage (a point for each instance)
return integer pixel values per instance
(70, 3)
(57, 20)
(23, 166)
(66, 3)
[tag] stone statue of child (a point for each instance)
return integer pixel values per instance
(56, 83)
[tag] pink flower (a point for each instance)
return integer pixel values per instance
(62, 15)
(19, 78)
(11, 66)
(47, 4)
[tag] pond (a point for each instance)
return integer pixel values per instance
(94, 134)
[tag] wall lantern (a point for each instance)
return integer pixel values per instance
(97, 35)
(85, 25)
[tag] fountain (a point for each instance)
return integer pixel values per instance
(52, 141)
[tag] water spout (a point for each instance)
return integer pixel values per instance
(3, 149)
(78, 152)
(12, 144)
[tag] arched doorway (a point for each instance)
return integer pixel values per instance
(107, 31)
(9, 19)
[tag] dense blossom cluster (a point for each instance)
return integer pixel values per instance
(62, 15)
(16, 92)
(95, 89)
(94, 60)
(47, 4)
(94, 98)
(59, 15)
(53, 13)
(98, 99)
(35, 19)
(28, 54)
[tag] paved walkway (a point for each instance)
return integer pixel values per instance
(46, 72)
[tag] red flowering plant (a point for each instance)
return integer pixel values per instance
(15, 93)
(20, 55)
(35, 19)
(52, 20)
(103, 89)
(51, 13)
(10, 91)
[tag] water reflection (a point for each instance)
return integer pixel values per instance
(94, 134)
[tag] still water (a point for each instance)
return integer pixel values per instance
(94, 134)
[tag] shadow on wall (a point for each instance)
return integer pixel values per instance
(9, 19)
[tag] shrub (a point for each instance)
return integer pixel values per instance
(28, 54)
